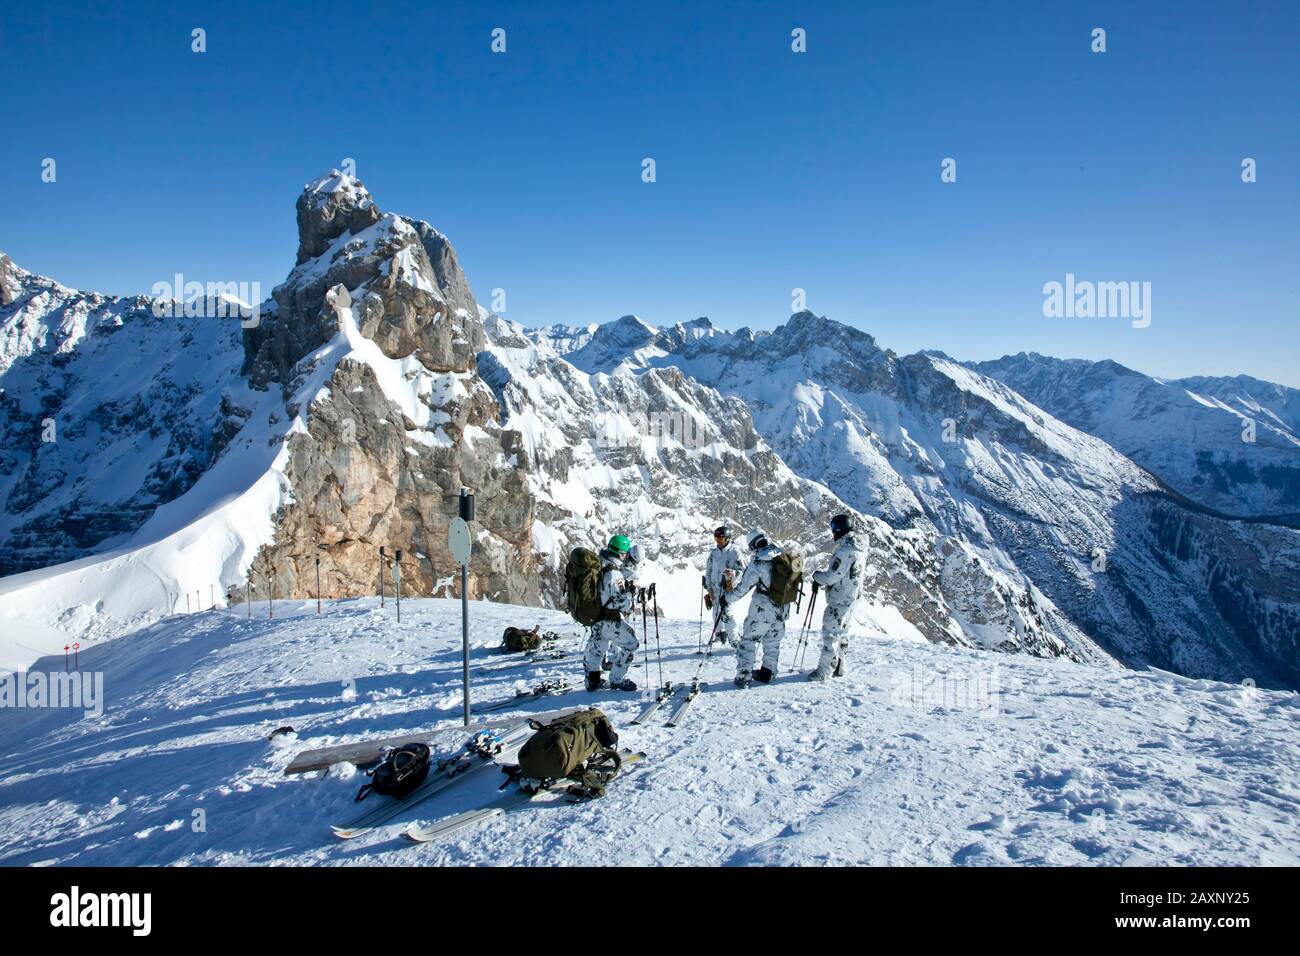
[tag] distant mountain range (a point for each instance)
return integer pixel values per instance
(1045, 506)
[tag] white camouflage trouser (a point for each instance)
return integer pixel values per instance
(619, 640)
(835, 639)
(725, 632)
(764, 625)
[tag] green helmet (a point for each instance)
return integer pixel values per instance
(620, 543)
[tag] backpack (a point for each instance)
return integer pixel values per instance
(516, 639)
(577, 746)
(582, 587)
(787, 579)
(403, 769)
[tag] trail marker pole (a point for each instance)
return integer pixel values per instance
(397, 584)
(460, 543)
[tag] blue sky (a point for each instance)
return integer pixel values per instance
(775, 170)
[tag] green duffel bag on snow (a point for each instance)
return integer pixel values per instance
(569, 747)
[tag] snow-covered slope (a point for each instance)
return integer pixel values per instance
(924, 754)
(924, 442)
(1230, 444)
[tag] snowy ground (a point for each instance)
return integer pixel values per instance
(924, 755)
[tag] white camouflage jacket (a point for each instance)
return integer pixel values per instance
(842, 578)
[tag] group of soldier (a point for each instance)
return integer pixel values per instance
(727, 578)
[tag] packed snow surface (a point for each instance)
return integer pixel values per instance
(924, 754)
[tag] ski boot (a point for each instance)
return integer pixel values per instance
(596, 681)
(817, 677)
(839, 667)
(742, 680)
(625, 684)
(763, 675)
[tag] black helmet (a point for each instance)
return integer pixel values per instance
(840, 526)
(723, 532)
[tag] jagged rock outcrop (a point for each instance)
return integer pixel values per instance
(391, 431)
(9, 285)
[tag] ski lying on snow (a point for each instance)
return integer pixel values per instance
(544, 689)
(516, 798)
(662, 696)
(365, 752)
(679, 714)
(514, 665)
(468, 762)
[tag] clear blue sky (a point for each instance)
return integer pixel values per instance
(775, 170)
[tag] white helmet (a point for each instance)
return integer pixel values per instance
(755, 536)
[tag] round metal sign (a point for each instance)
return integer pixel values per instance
(458, 540)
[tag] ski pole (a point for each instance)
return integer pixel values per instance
(654, 592)
(798, 641)
(807, 630)
(644, 640)
(708, 650)
(699, 634)
(803, 638)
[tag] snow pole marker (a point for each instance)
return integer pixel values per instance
(397, 584)
(318, 584)
(458, 540)
(76, 655)
(187, 603)
(65, 656)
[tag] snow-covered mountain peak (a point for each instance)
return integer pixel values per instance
(329, 206)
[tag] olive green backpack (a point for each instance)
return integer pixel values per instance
(516, 639)
(582, 587)
(787, 579)
(581, 747)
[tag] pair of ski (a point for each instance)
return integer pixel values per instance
(666, 694)
(544, 657)
(479, 753)
(518, 797)
(548, 687)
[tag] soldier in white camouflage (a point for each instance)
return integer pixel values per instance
(721, 571)
(612, 634)
(841, 580)
(765, 622)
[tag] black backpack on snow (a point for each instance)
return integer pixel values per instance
(403, 769)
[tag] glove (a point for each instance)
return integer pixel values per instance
(815, 587)
(708, 601)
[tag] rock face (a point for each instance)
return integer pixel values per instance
(10, 288)
(393, 430)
